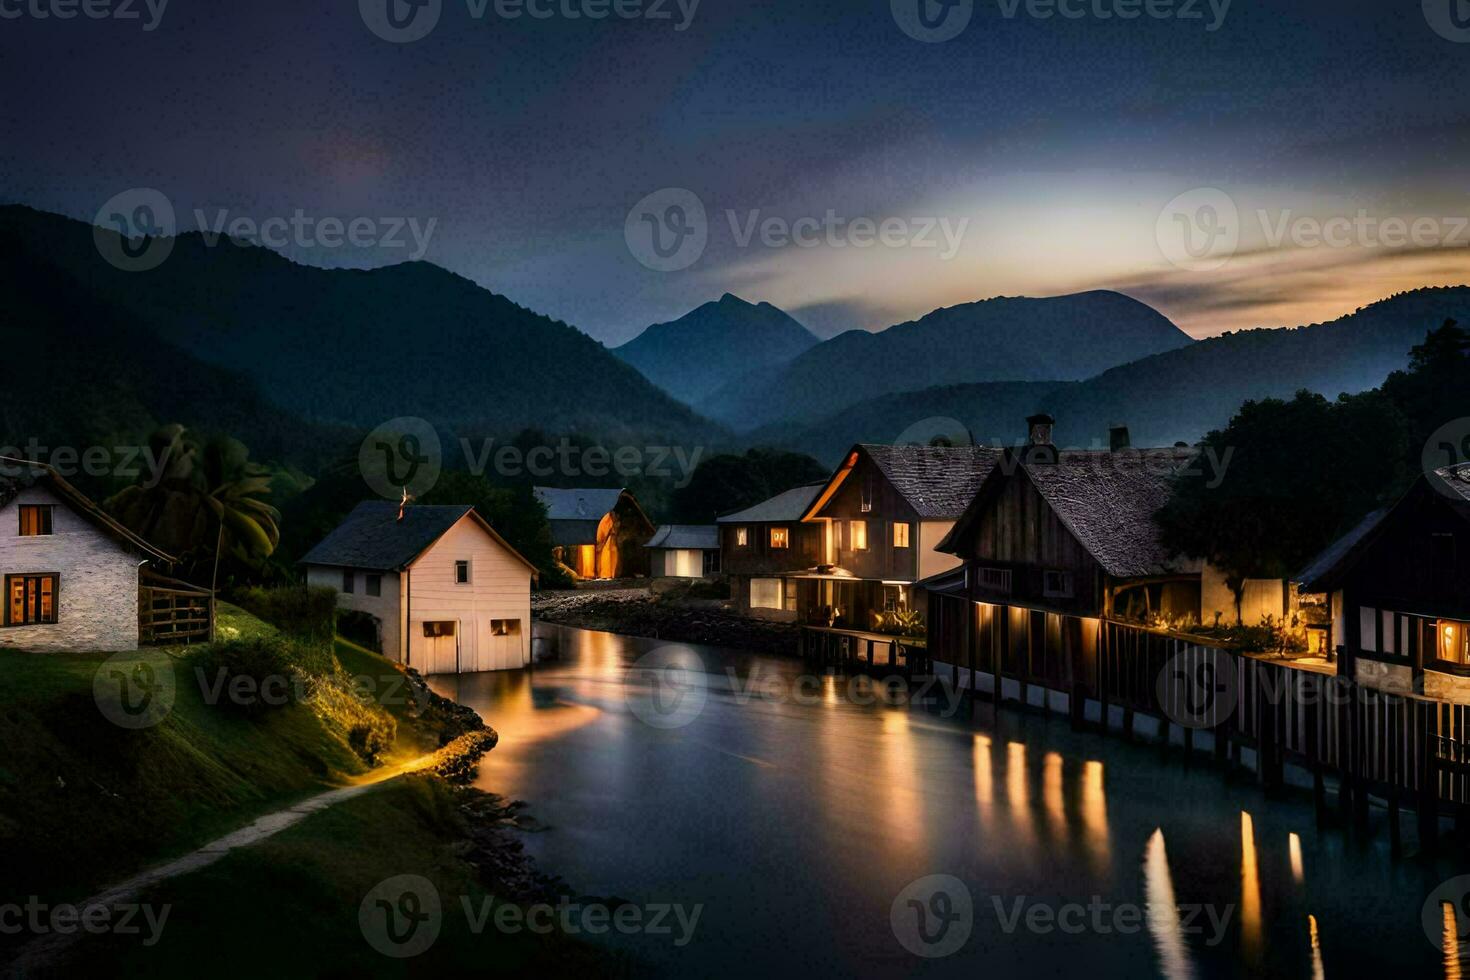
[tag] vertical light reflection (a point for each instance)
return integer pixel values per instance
(899, 780)
(1450, 940)
(1295, 845)
(1018, 795)
(1318, 971)
(984, 773)
(1095, 815)
(1250, 890)
(1051, 794)
(1163, 912)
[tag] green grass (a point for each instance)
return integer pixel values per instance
(289, 906)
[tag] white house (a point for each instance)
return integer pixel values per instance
(449, 594)
(684, 551)
(71, 573)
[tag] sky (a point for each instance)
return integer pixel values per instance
(856, 162)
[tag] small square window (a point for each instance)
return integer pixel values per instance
(900, 535)
(1057, 585)
(434, 629)
(349, 581)
(461, 573)
(858, 533)
(375, 585)
(780, 537)
(35, 520)
(505, 627)
(742, 537)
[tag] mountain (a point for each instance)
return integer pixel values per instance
(1063, 338)
(360, 347)
(1175, 396)
(713, 345)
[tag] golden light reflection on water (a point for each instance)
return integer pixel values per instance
(984, 775)
(1051, 794)
(1163, 912)
(1318, 971)
(1451, 942)
(1018, 797)
(1294, 844)
(1095, 815)
(1250, 891)
(897, 769)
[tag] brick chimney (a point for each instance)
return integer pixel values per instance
(1118, 438)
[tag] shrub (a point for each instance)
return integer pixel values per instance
(372, 736)
(252, 675)
(306, 613)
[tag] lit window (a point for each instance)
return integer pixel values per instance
(35, 520)
(375, 585)
(434, 629)
(780, 537)
(765, 593)
(742, 537)
(461, 573)
(349, 581)
(858, 535)
(31, 599)
(1453, 645)
(505, 627)
(900, 535)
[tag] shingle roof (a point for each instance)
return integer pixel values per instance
(938, 481)
(577, 505)
(372, 537)
(19, 474)
(788, 505)
(1455, 480)
(1315, 577)
(1108, 501)
(704, 537)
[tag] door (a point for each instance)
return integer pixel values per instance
(501, 645)
(440, 647)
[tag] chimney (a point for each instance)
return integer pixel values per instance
(1038, 430)
(1118, 438)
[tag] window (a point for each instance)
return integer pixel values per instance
(505, 627)
(1056, 585)
(438, 628)
(35, 520)
(1452, 642)
(742, 537)
(349, 581)
(867, 503)
(31, 599)
(995, 579)
(765, 593)
(711, 563)
(900, 535)
(461, 573)
(858, 535)
(375, 585)
(1368, 629)
(780, 537)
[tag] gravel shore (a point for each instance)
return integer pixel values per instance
(637, 612)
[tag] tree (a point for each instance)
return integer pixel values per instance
(727, 482)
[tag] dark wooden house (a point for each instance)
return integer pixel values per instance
(1399, 588)
(597, 533)
(760, 544)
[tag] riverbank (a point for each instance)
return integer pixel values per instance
(672, 617)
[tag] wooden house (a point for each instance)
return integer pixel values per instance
(762, 543)
(684, 551)
(448, 594)
(1399, 588)
(597, 533)
(77, 580)
(879, 519)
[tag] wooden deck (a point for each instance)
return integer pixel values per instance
(861, 650)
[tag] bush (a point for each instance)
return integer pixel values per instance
(360, 628)
(306, 613)
(252, 675)
(373, 736)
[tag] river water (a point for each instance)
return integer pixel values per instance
(820, 828)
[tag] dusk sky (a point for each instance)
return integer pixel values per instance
(1050, 148)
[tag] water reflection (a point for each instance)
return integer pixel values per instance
(1095, 815)
(1318, 971)
(1163, 912)
(1451, 942)
(1294, 844)
(1250, 891)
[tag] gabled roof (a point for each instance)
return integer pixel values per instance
(938, 482)
(1317, 576)
(372, 537)
(577, 505)
(19, 474)
(703, 537)
(788, 505)
(1107, 500)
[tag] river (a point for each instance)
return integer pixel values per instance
(818, 828)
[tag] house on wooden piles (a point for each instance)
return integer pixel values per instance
(760, 544)
(1399, 588)
(1061, 568)
(77, 580)
(684, 551)
(597, 533)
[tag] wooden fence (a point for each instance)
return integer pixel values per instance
(170, 611)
